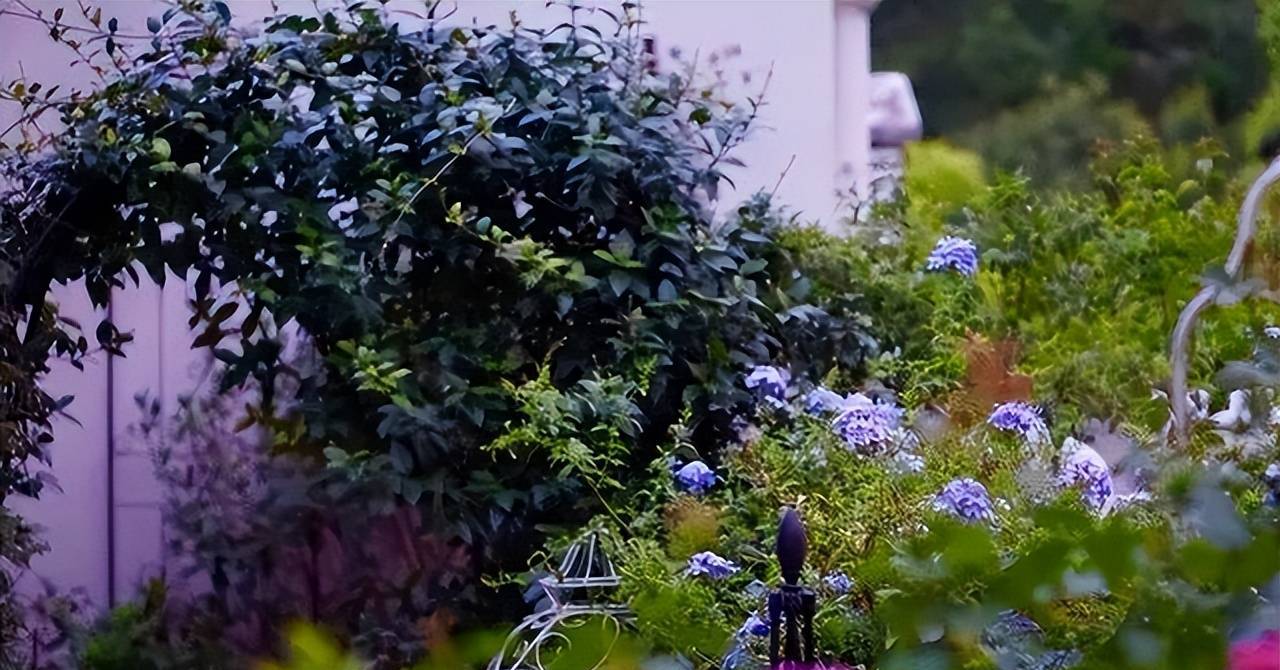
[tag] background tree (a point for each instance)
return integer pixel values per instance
(973, 59)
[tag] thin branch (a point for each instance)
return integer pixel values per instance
(31, 14)
(738, 134)
(782, 176)
(434, 179)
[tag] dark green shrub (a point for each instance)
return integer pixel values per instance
(446, 215)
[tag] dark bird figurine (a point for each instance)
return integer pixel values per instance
(791, 606)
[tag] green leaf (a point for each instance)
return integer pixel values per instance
(619, 282)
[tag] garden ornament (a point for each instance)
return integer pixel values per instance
(573, 594)
(1246, 227)
(791, 606)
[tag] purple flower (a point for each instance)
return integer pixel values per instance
(838, 582)
(1020, 418)
(1082, 467)
(709, 564)
(755, 625)
(965, 499)
(906, 461)
(1271, 478)
(823, 400)
(695, 477)
(769, 383)
(954, 254)
(867, 427)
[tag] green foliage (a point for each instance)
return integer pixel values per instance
(137, 636)
(1050, 138)
(1188, 118)
(1166, 625)
(590, 644)
(673, 613)
(517, 313)
(309, 649)
(941, 174)
(1084, 286)
(1075, 71)
(473, 227)
(586, 431)
(1269, 29)
(1144, 56)
(1148, 586)
(1263, 120)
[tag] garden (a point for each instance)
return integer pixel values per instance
(496, 388)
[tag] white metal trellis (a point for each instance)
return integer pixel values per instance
(585, 570)
(1246, 228)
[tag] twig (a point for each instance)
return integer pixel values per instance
(439, 173)
(35, 15)
(739, 132)
(782, 176)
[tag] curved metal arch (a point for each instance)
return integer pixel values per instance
(1179, 348)
(547, 626)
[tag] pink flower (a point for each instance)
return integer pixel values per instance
(1259, 653)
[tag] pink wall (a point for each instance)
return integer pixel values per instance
(815, 120)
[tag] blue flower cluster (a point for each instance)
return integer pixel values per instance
(905, 461)
(838, 582)
(695, 477)
(823, 400)
(769, 383)
(867, 427)
(755, 625)
(1082, 467)
(954, 254)
(1272, 480)
(965, 499)
(711, 565)
(1020, 418)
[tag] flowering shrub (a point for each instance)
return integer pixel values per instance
(823, 400)
(708, 564)
(954, 254)
(867, 426)
(1084, 468)
(769, 383)
(1020, 419)
(500, 242)
(696, 477)
(521, 315)
(965, 499)
(937, 516)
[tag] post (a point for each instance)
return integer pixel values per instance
(791, 606)
(853, 93)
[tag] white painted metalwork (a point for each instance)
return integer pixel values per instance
(584, 573)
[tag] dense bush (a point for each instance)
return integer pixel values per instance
(467, 299)
(1070, 309)
(471, 226)
(1050, 139)
(1079, 291)
(943, 534)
